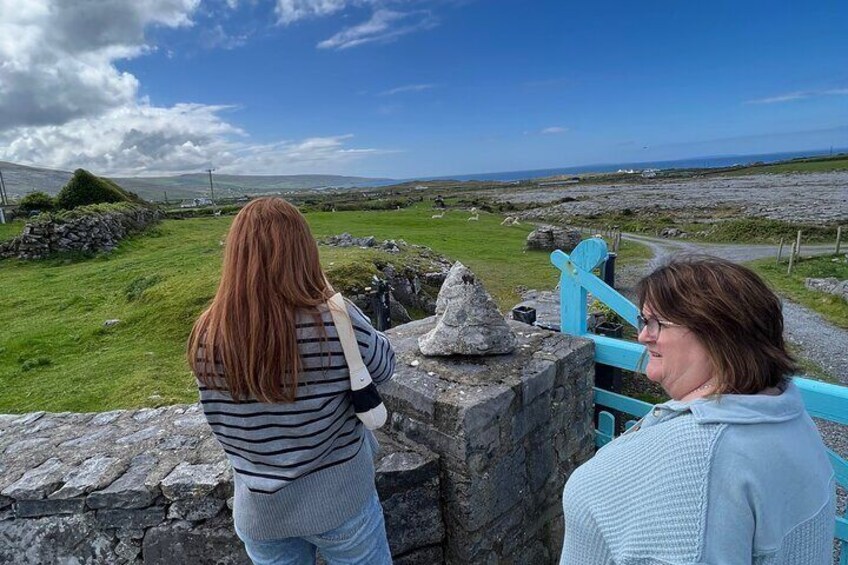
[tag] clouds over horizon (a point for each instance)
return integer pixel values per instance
(65, 104)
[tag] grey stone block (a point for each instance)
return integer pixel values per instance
(531, 417)
(24, 445)
(55, 539)
(47, 507)
(131, 519)
(37, 483)
(540, 378)
(195, 510)
(129, 491)
(95, 473)
(484, 406)
(193, 481)
(169, 546)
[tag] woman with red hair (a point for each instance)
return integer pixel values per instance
(275, 389)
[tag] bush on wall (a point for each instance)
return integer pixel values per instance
(85, 188)
(40, 201)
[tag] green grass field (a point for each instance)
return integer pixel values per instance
(812, 165)
(56, 355)
(831, 307)
(11, 229)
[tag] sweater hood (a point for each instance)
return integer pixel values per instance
(744, 408)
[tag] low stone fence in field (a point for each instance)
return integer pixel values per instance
(93, 232)
(471, 468)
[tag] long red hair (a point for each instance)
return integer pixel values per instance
(271, 269)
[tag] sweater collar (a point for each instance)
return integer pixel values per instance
(743, 408)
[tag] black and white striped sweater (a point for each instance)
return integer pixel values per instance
(304, 467)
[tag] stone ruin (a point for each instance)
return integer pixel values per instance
(471, 470)
(90, 233)
(551, 238)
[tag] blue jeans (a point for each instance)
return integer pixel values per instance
(359, 541)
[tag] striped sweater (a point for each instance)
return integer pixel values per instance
(304, 467)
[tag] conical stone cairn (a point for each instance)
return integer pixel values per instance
(468, 320)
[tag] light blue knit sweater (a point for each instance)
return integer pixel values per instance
(738, 479)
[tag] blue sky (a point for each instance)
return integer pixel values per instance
(404, 88)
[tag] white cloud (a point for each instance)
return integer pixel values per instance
(146, 140)
(289, 11)
(799, 95)
(553, 130)
(383, 27)
(64, 104)
(407, 88)
(57, 56)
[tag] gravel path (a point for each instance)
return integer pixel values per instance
(813, 337)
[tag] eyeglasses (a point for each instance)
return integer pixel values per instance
(654, 325)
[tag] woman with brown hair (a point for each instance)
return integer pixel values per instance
(275, 389)
(732, 469)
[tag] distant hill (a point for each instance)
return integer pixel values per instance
(21, 179)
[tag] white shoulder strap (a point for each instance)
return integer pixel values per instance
(359, 376)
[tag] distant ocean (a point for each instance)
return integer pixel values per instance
(698, 162)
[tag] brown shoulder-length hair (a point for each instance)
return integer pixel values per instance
(270, 269)
(732, 311)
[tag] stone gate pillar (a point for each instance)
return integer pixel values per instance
(509, 430)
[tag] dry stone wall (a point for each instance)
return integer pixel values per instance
(471, 470)
(95, 232)
(153, 486)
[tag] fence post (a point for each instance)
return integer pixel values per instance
(838, 238)
(798, 246)
(608, 271)
(791, 260)
(780, 251)
(380, 305)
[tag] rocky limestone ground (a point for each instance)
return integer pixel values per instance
(802, 197)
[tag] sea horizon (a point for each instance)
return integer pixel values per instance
(707, 162)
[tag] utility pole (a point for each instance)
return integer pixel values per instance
(211, 188)
(4, 199)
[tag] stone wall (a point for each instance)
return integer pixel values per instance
(509, 430)
(94, 232)
(471, 469)
(154, 487)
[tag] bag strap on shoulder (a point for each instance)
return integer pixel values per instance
(344, 327)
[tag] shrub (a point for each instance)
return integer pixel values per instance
(85, 188)
(38, 200)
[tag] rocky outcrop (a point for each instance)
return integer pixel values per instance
(551, 238)
(414, 279)
(347, 240)
(93, 232)
(468, 321)
(153, 486)
(830, 285)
